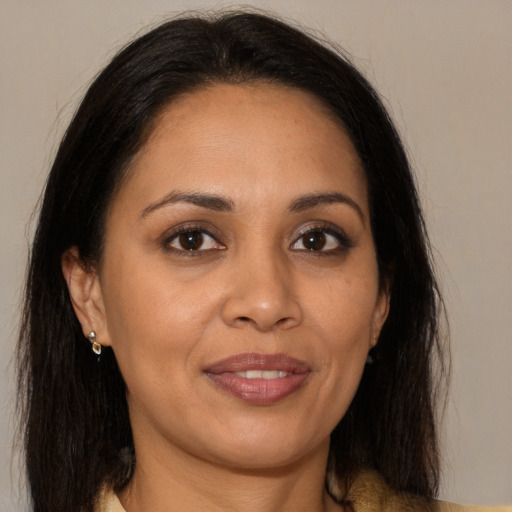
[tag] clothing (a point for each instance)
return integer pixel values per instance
(109, 503)
(369, 493)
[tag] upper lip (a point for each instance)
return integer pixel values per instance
(254, 361)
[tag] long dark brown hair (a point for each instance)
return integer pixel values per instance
(75, 423)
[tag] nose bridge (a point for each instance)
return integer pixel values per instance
(261, 292)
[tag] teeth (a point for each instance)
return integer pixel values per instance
(262, 374)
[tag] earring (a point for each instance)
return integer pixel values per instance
(369, 359)
(96, 345)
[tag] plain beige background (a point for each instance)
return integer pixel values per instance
(445, 69)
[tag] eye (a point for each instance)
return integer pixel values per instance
(322, 239)
(192, 240)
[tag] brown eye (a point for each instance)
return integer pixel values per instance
(323, 241)
(191, 240)
(314, 241)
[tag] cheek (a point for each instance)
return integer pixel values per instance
(344, 306)
(342, 314)
(154, 317)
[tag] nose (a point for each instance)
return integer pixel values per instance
(261, 295)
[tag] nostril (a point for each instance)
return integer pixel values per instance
(253, 311)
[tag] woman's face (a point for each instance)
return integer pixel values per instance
(239, 285)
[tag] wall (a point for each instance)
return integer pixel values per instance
(445, 70)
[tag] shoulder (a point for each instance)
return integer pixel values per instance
(370, 493)
(444, 506)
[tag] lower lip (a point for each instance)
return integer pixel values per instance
(259, 391)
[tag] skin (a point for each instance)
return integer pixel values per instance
(252, 285)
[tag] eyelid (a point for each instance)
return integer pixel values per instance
(345, 242)
(211, 231)
(173, 233)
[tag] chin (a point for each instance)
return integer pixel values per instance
(270, 451)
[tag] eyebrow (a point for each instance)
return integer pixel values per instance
(221, 204)
(311, 200)
(209, 201)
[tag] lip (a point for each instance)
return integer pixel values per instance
(259, 391)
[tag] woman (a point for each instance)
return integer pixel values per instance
(230, 302)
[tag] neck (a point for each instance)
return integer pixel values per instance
(180, 481)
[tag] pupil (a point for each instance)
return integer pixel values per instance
(314, 241)
(191, 241)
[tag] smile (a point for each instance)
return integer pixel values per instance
(262, 374)
(259, 379)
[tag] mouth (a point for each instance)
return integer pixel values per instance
(259, 379)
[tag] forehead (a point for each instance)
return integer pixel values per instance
(252, 138)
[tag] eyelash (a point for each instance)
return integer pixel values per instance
(167, 241)
(325, 228)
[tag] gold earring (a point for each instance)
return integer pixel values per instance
(96, 345)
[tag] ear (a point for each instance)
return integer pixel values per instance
(86, 295)
(380, 312)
